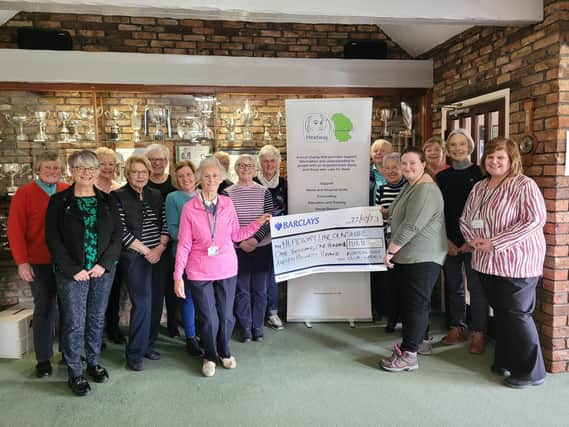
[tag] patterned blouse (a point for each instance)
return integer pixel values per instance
(512, 216)
(88, 208)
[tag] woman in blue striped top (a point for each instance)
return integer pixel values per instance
(254, 254)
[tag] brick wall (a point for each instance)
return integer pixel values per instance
(533, 62)
(198, 37)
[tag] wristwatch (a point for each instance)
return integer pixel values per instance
(390, 253)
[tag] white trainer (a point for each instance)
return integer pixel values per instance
(229, 362)
(275, 322)
(208, 368)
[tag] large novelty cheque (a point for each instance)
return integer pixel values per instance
(329, 241)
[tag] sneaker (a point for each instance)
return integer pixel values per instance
(519, 384)
(477, 343)
(229, 362)
(457, 334)
(208, 368)
(275, 322)
(400, 361)
(503, 372)
(79, 385)
(98, 373)
(426, 347)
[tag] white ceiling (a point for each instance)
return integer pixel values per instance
(415, 25)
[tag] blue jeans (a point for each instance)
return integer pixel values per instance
(272, 295)
(188, 311)
(83, 304)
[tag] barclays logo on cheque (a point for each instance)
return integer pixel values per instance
(295, 223)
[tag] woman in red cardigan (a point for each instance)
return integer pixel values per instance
(26, 234)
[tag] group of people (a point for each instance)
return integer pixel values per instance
(201, 243)
(191, 238)
(482, 226)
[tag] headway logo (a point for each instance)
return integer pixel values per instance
(318, 127)
(295, 223)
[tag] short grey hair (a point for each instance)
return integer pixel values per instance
(48, 156)
(209, 162)
(85, 158)
(270, 151)
(157, 147)
(466, 134)
(392, 156)
(243, 157)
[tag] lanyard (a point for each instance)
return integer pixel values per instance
(211, 229)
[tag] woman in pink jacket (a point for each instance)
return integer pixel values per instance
(208, 228)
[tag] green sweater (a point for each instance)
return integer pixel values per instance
(418, 224)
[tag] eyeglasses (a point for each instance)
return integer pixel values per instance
(139, 173)
(111, 164)
(245, 166)
(82, 169)
(157, 160)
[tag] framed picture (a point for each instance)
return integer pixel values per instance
(194, 152)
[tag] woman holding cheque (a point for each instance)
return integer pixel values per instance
(503, 222)
(205, 252)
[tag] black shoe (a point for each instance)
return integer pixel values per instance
(98, 373)
(390, 328)
(519, 384)
(43, 369)
(258, 335)
(79, 385)
(503, 372)
(193, 347)
(152, 355)
(173, 332)
(116, 337)
(135, 366)
(246, 336)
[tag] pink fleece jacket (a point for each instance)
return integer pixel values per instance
(194, 239)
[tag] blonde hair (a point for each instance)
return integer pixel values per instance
(432, 141)
(378, 143)
(137, 159)
(105, 151)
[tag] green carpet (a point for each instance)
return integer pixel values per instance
(324, 376)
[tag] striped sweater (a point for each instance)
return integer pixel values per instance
(513, 216)
(250, 203)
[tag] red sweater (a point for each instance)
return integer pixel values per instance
(26, 224)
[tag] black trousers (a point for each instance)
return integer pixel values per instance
(44, 292)
(417, 282)
(113, 307)
(517, 342)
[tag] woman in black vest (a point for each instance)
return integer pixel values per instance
(145, 237)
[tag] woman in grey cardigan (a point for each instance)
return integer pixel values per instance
(416, 252)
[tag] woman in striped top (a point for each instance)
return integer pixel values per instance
(144, 238)
(503, 222)
(385, 294)
(254, 254)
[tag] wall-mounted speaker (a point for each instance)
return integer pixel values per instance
(44, 39)
(365, 49)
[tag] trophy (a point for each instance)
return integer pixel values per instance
(88, 114)
(188, 127)
(248, 116)
(385, 115)
(230, 123)
(206, 104)
(114, 115)
(41, 118)
(158, 116)
(18, 121)
(267, 123)
(408, 133)
(75, 125)
(135, 122)
(279, 122)
(64, 117)
(12, 170)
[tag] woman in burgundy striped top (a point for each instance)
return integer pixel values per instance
(503, 222)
